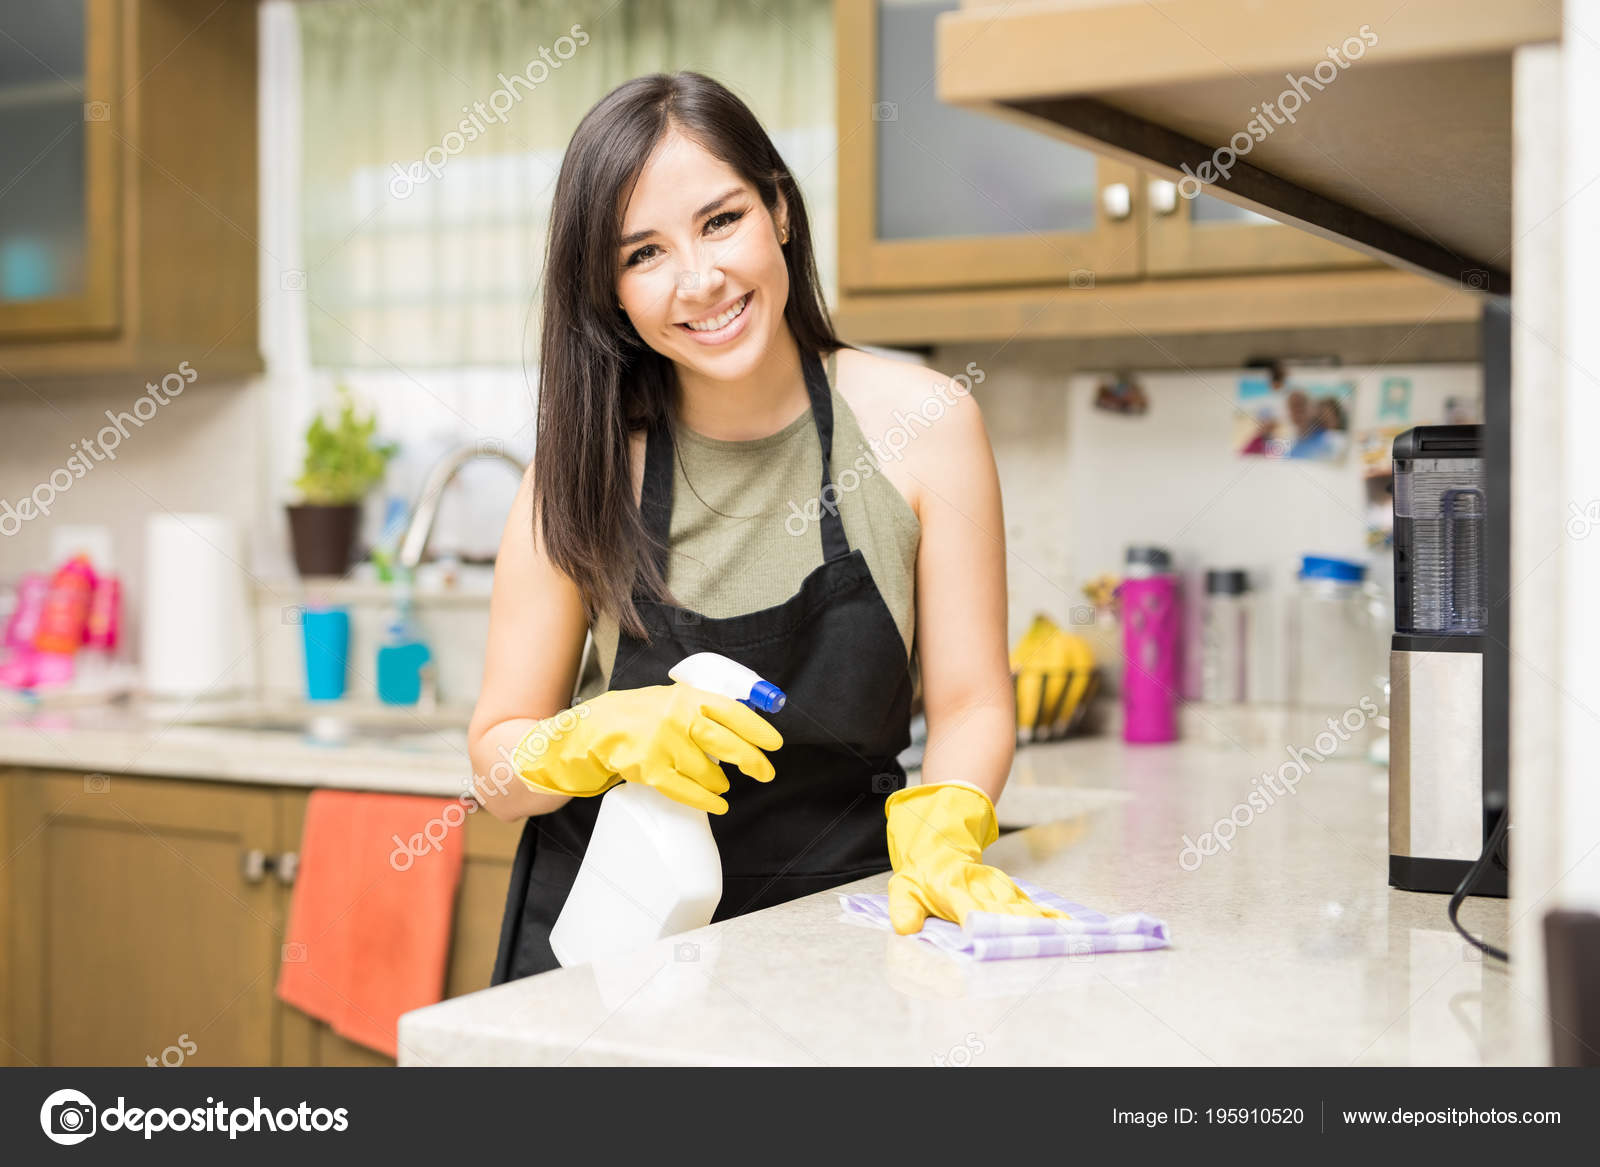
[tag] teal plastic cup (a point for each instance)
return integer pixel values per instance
(327, 641)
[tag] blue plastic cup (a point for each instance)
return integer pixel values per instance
(327, 639)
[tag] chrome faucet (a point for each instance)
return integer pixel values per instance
(420, 525)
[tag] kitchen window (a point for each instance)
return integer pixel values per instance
(408, 172)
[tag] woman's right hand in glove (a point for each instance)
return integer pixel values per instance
(659, 735)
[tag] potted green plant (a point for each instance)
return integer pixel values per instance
(342, 463)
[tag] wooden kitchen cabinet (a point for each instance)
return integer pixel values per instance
(931, 196)
(132, 923)
(134, 920)
(128, 245)
(963, 225)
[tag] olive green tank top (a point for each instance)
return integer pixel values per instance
(746, 530)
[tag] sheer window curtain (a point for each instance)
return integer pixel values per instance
(419, 251)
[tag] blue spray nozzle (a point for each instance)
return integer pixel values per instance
(765, 697)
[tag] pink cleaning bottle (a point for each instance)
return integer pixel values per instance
(1150, 637)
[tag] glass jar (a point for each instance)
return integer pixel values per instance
(1338, 659)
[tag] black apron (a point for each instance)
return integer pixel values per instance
(834, 649)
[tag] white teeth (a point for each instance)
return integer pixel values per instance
(722, 321)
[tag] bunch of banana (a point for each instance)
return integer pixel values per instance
(1052, 668)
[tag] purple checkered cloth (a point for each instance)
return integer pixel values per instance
(991, 936)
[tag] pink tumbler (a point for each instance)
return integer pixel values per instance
(1150, 677)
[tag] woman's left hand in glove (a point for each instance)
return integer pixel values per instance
(937, 835)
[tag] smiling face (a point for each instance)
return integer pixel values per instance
(698, 247)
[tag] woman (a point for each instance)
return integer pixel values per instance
(703, 482)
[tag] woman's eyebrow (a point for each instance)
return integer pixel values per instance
(627, 240)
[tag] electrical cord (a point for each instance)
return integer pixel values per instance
(1491, 847)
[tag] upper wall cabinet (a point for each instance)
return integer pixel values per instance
(58, 229)
(128, 186)
(985, 224)
(933, 196)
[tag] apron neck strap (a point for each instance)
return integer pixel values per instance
(655, 505)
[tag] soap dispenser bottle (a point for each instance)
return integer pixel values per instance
(402, 654)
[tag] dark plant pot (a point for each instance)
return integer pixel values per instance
(323, 537)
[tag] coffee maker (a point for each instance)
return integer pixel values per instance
(1440, 810)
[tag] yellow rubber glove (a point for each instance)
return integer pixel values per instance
(659, 735)
(936, 838)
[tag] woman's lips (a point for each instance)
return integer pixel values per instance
(729, 330)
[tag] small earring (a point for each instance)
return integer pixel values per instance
(785, 238)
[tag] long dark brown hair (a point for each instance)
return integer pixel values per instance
(598, 380)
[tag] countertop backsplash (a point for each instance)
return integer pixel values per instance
(1080, 484)
(454, 625)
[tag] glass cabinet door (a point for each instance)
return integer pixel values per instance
(1205, 235)
(933, 195)
(57, 195)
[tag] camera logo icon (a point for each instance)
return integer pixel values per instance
(886, 783)
(68, 1117)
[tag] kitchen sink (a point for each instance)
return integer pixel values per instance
(400, 728)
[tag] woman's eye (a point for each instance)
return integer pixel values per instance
(712, 224)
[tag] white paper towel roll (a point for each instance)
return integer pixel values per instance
(196, 608)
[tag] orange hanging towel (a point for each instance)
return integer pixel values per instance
(370, 920)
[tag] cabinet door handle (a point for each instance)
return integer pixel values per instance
(253, 865)
(1163, 196)
(1117, 200)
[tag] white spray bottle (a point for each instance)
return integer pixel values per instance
(652, 868)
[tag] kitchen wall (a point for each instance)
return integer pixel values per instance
(232, 448)
(1080, 484)
(200, 452)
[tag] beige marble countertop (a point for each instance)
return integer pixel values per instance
(398, 750)
(392, 749)
(1288, 948)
